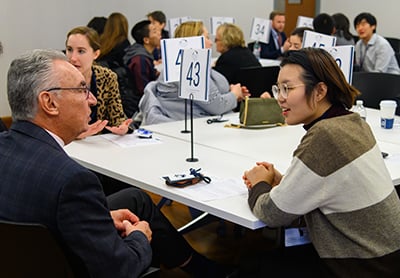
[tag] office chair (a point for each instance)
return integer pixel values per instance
(257, 79)
(395, 43)
(397, 55)
(250, 45)
(376, 86)
(29, 250)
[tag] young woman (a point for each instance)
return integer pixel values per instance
(337, 179)
(82, 49)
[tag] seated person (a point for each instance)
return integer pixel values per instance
(97, 23)
(295, 39)
(324, 24)
(82, 49)
(42, 184)
(139, 56)
(341, 187)
(342, 30)
(229, 40)
(373, 52)
(113, 43)
(223, 97)
(159, 20)
(277, 45)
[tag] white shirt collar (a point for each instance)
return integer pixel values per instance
(57, 138)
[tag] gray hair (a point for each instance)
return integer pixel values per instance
(28, 75)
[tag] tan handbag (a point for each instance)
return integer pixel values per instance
(260, 113)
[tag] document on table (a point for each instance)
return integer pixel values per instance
(217, 189)
(130, 140)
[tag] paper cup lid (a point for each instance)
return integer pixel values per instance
(391, 103)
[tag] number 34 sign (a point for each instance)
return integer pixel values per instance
(195, 74)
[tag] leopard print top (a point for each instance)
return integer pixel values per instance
(109, 104)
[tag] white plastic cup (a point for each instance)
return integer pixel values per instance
(388, 108)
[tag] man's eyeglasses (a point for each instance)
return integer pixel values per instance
(283, 90)
(84, 90)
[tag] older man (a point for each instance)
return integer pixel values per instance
(50, 105)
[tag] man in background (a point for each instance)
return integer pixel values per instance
(373, 52)
(324, 24)
(277, 39)
(139, 56)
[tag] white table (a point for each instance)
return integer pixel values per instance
(143, 166)
(276, 144)
(225, 151)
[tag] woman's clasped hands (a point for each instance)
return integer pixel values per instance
(262, 172)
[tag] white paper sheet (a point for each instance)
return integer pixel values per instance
(130, 140)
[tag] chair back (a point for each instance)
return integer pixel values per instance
(395, 43)
(257, 79)
(29, 250)
(376, 86)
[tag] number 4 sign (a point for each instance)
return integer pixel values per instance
(172, 50)
(195, 74)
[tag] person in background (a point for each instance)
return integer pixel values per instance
(113, 43)
(324, 24)
(373, 52)
(342, 30)
(114, 39)
(117, 236)
(2, 125)
(223, 98)
(97, 23)
(82, 49)
(229, 40)
(295, 39)
(159, 20)
(139, 57)
(277, 39)
(341, 187)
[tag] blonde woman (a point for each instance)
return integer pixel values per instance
(235, 54)
(223, 97)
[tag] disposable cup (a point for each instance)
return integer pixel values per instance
(388, 108)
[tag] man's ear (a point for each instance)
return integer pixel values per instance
(48, 103)
(146, 40)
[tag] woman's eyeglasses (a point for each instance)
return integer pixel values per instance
(283, 89)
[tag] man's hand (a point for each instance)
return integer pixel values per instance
(93, 129)
(120, 215)
(141, 226)
(121, 129)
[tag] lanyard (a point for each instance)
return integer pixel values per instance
(362, 58)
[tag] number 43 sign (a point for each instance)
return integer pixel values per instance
(195, 74)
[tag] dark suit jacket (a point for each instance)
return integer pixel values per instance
(234, 59)
(41, 184)
(269, 51)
